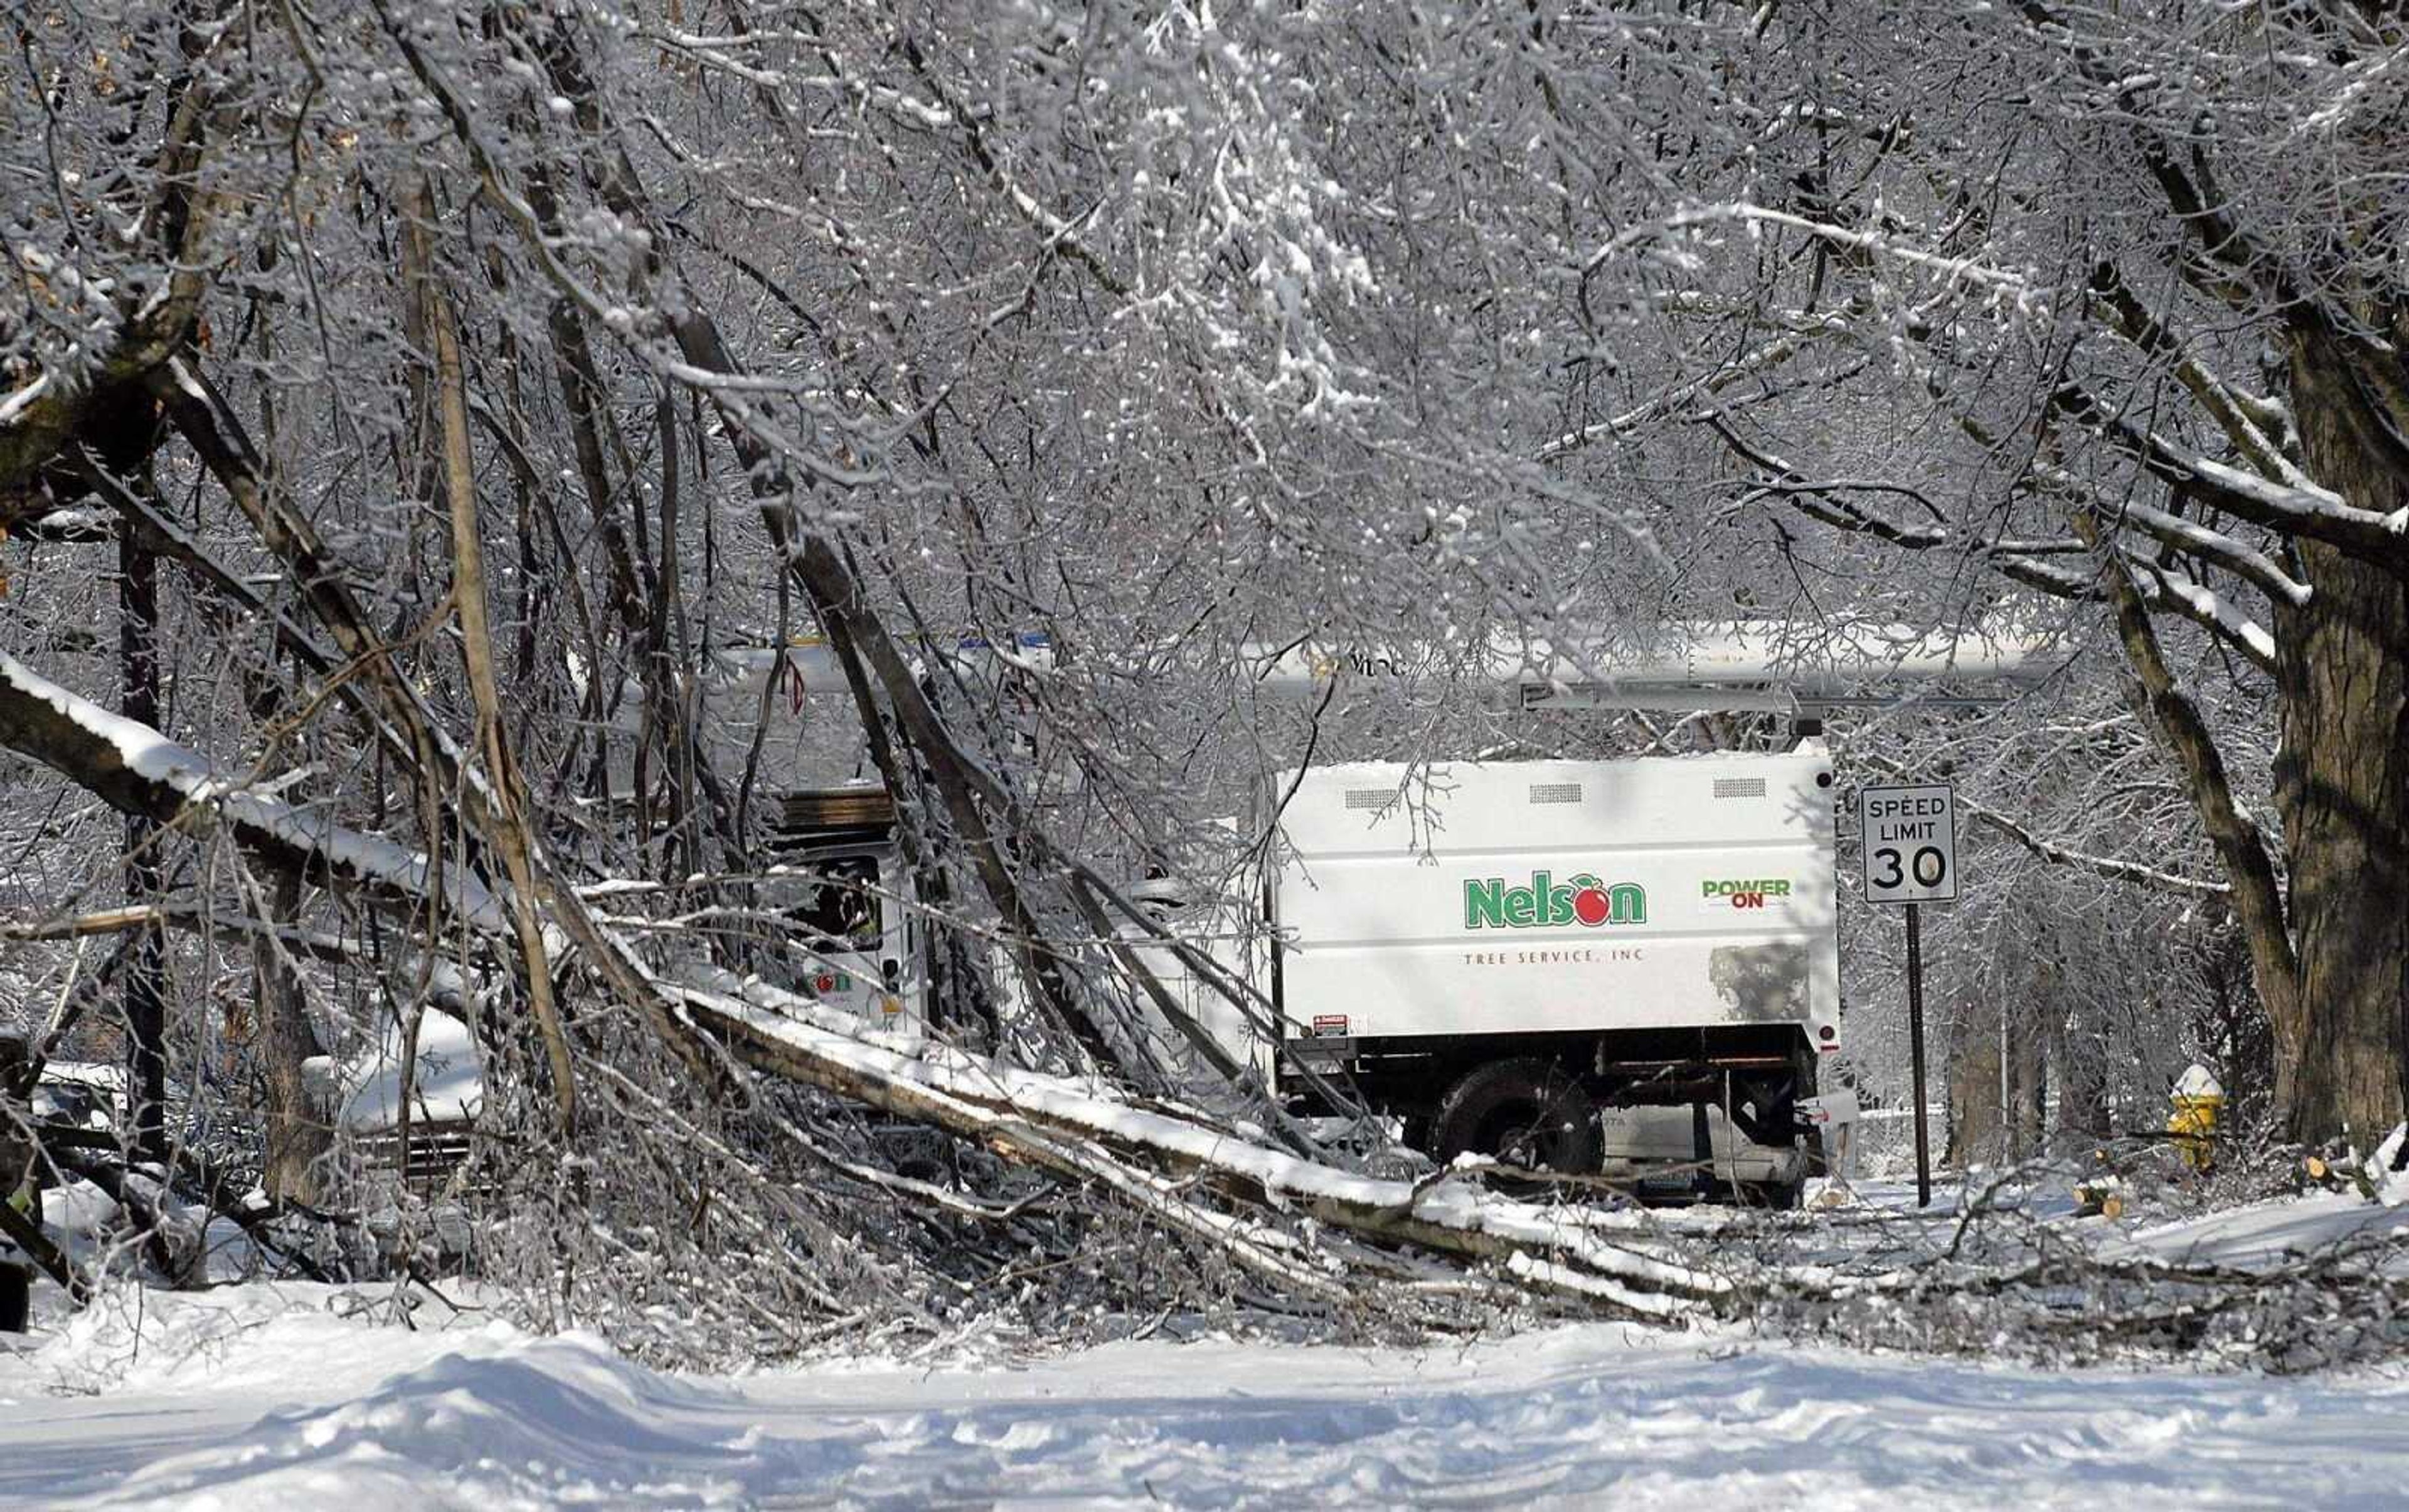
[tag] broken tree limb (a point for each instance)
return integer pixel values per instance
(1147, 1160)
(697, 356)
(138, 770)
(801, 1041)
(173, 1252)
(507, 821)
(198, 917)
(28, 1236)
(209, 425)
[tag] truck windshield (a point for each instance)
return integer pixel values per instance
(840, 908)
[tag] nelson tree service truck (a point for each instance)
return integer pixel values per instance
(1628, 967)
(1618, 968)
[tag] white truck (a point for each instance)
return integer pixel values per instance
(1621, 967)
(857, 938)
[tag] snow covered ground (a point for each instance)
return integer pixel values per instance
(306, 1396)
(268, 1397)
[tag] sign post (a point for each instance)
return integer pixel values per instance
(1910, 855)
(1915, 1053)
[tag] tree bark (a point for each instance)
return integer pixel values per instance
(2342, 786)
(1977, 1117)
(297, 1135)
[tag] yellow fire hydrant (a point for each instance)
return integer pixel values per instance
(2197, 1098)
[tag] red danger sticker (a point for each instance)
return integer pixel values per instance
(1327, 1026)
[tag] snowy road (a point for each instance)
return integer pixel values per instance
(278, 1408)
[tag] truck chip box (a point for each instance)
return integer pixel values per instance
(1621, 967)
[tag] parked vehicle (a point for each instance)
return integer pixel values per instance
(1629, 968)
(857, 941)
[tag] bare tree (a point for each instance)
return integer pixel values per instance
(2125, 279)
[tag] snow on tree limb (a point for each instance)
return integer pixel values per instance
(139, 770)
(2217, 548)
(1770, 355)
(2207, 608)
(781, 1031)
(2011, 282)
(2308, 510)
(1042, 1120)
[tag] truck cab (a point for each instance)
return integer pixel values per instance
(854, 936)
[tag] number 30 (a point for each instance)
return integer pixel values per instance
(1930, 865)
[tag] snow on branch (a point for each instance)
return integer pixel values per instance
(2206, 607)
(140, 770)
(1567, 1251)
(1771, 354)
(1970, 270)
(1827, 500)
(2254, 567)
(2308, 510)
(2257, 425)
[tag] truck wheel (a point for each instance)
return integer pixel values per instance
(1525, 1113)
(1779, 1196)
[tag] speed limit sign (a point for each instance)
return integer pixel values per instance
(1910, 844)
(1910, 834)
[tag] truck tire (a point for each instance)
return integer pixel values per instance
(1777, 1196)
(1524, 1112)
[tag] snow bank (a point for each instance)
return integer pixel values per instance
(1592, 1415)
(244, 1339)
(532, 1424)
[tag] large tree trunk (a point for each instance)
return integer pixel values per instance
(2341, 785)
(1977, 1122)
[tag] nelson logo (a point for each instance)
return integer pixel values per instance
(1549, 904)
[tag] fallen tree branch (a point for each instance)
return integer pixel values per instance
(198, 917)
(799, 1039)
(28, 1236)
(1054, 1125)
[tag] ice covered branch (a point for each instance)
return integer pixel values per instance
(1142, 1156)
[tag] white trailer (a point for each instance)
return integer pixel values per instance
(1628, 967)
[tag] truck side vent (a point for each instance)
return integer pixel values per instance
(1370, 798)
(1555, 792)
(1740, 787)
